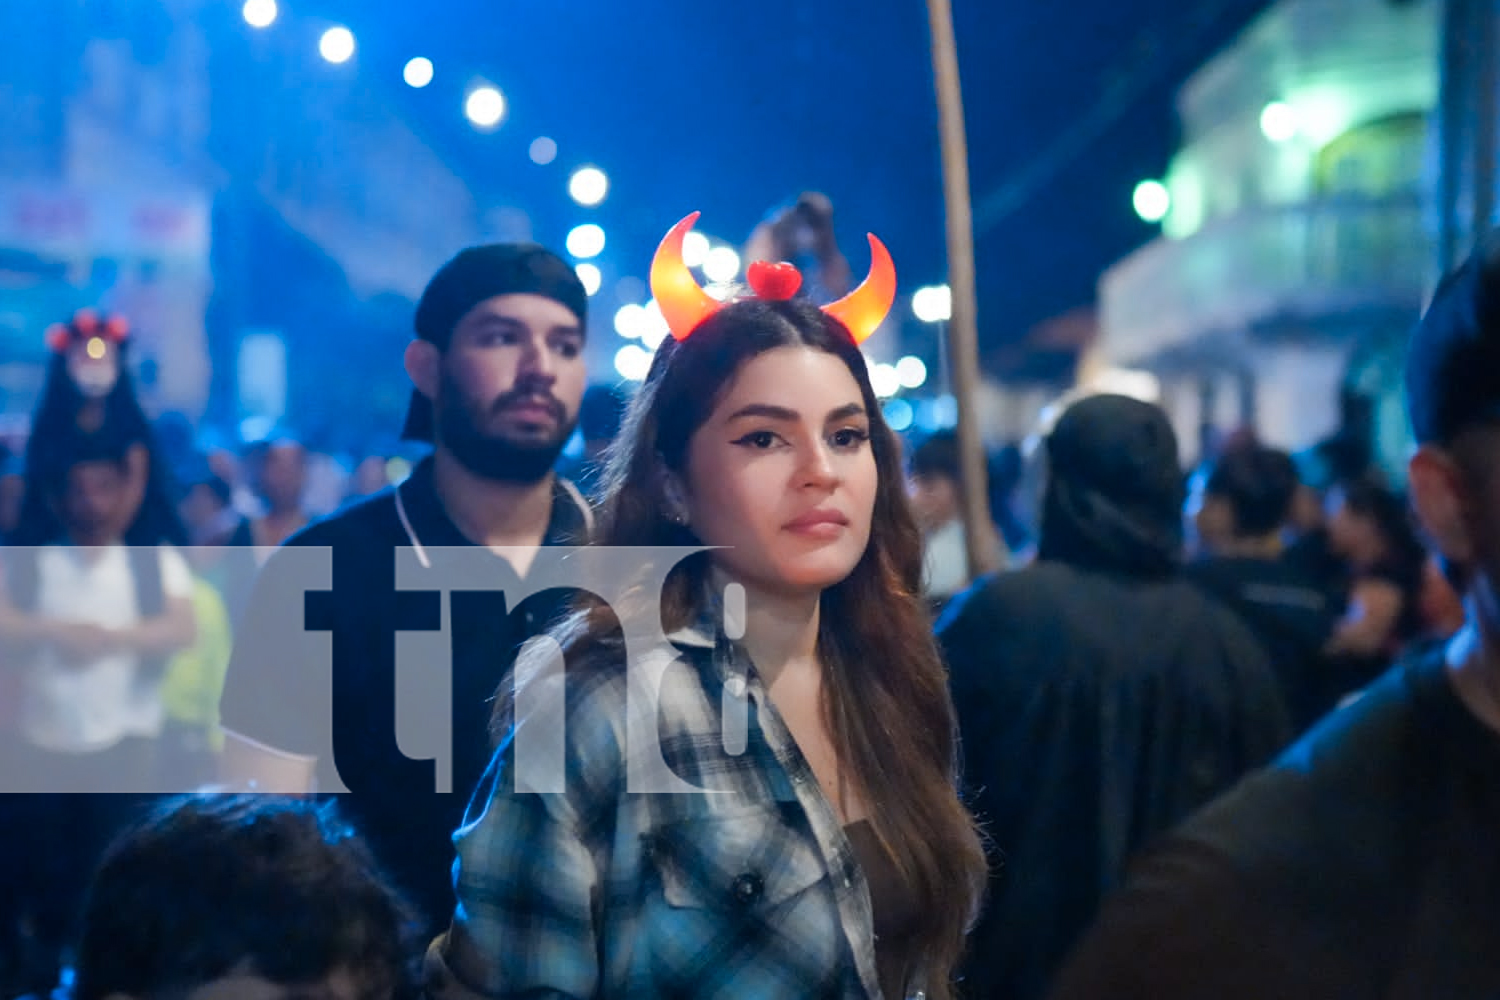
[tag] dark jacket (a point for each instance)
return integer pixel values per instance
(1096, 710)
(279, 692)
(1362, 865)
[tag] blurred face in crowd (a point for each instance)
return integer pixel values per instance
(934, 500)
(283, 475)
(1350, 533)
(207, 516)
(98, 502)
(223, 463)
(369, 476)
(1307, 510)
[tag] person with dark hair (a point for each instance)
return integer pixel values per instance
(498, 372)
(1362, 864)
(222, 553)
(207, 509)
(278, 474)
(1242, 498)
(89, 625)
(1238, 507)
(816, 845)
(937, 501)
(1370, 527)
(222, 897)
(89, 391)
(1101, 696)
(1006, 473)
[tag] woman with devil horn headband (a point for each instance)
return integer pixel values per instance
(780, 819)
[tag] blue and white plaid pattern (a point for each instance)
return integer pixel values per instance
(747, 891)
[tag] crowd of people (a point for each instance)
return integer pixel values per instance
(1226, 731)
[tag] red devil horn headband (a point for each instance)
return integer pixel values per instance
(684, 304)
(85, 325)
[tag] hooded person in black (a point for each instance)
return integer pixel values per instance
(1101, 697)
(1363, 863)
(498, 372)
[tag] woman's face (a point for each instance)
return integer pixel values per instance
(782, 474)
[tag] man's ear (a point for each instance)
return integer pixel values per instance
(1436, 487)
(423, 363)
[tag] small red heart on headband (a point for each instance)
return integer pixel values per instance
(774, 281)
(117, 328)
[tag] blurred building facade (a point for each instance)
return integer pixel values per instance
(216, 184)
(1301, 239)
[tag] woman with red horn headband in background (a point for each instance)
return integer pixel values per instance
(808, 839)
(89, 391)
(94, 602)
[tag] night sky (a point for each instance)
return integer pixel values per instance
(732, 108)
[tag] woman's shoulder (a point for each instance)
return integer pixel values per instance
(581, 700)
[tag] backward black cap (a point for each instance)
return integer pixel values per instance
(1453, 359)
(471, 277)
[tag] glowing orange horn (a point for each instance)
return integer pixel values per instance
(684, 304)
(865, 308)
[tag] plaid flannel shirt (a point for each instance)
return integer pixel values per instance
(750, 890)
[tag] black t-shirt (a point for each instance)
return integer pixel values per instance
(1290, 613)
(1363, 865)
(1351, 671)
(1313, 556)
(285, 700)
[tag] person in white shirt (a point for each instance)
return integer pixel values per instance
(88, 624)
(94, 621)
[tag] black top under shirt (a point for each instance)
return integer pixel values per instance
(893, 909)
(1363, 865)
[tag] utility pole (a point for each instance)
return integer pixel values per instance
(963, 327)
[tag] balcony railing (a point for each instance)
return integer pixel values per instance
(1296, 263)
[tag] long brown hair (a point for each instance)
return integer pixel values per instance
(887, 707)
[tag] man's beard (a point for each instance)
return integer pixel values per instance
(498, 457)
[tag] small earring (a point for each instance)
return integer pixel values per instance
(673, 498)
